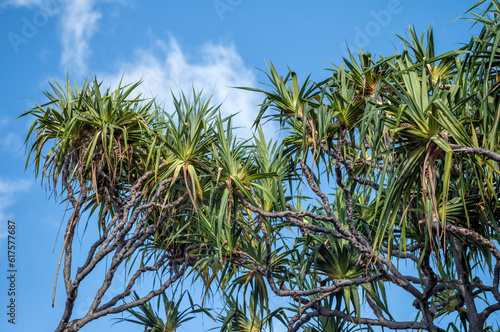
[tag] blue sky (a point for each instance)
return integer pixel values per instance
(212, 45)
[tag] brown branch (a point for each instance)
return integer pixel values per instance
(108, 308)
(369, 321)
(300, 311)
(473, 150)
(115, 238)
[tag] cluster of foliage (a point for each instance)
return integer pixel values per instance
(386, 173)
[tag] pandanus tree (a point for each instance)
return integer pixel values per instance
(120, 160)
(249, 317)
(385, 174)
(171, 319)
(411, 144)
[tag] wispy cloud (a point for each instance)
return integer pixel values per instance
(9, 194)
(23, 3)
(11, 141)
(78, 23)
(214, 68)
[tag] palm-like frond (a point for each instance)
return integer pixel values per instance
(154, 322)
(93, 128)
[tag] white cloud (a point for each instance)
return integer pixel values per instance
(78, 23)
(11, 142)
(9, 190)
(23, 3)
(9, 187)
(215, 69)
